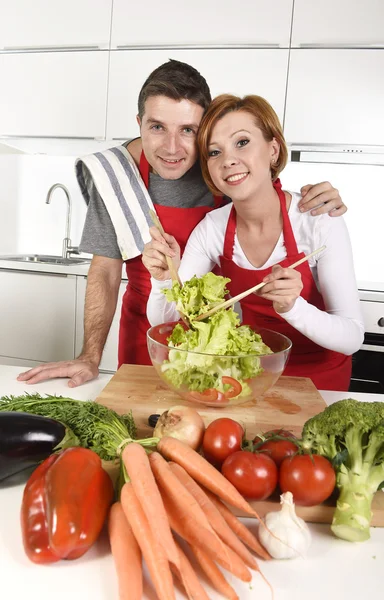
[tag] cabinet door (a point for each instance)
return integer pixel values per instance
(338, 23)
(335, 97)
(240, 72)
(37, 316)
(147, 23)
(50, 23)
(59, 94)
(109, 360)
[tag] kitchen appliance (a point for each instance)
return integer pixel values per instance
(368, 362)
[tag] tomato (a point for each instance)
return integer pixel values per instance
(310, 478)
(209, 396)
(253, 475)
(277, 449)
(236, 387)
(221, 438)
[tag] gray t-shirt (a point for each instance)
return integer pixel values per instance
(99, 235)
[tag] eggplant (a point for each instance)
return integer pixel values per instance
(26, 440)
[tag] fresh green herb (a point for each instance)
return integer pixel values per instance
(96, 426)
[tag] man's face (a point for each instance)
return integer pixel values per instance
(168, 132)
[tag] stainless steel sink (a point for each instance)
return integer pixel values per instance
(43, 258)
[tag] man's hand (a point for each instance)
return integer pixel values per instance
(320, 199)
(283, 287)
(155, 252)
(78, 371)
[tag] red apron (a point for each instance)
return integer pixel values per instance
(179, 222)
(328, 370)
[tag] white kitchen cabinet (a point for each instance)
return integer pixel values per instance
(109, 360)
(335, 97)
(148, 23)
(37, 315)
(338, 23)
(53, 94)
(236, 71)
(54, 23)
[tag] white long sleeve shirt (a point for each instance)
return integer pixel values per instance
(340, 327)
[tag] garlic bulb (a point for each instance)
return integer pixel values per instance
(285, 534)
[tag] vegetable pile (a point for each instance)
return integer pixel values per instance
(166, 488)
(209, 342)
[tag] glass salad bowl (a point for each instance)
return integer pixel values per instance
(214, 380)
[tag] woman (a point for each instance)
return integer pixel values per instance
(257, 238)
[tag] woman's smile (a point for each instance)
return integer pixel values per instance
(237, 178)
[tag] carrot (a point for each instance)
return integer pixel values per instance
(202, 538)
(214, 574)
(192, 517)
(203, 472)
(238, 527)
(176, 491)
(153, 552)
(189, 579)
(216, 520)
(126, 554)
(137, 464)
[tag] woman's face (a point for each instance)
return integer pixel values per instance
(239, 158)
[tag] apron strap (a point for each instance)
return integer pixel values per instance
(229, 238)
(288, 236)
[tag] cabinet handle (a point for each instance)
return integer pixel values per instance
(380, 322)
(34, 272)
(339, 45)
(14, 136)
(196, 46)
(49, 48)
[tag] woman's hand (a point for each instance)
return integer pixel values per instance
(322, 198)
(283, 287)
(154, 254)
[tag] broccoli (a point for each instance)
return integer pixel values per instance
(351, 435)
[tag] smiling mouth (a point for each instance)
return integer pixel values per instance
(238, 177)
(171, 161)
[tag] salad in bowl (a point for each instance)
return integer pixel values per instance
(216, 361)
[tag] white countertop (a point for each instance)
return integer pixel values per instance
(76, 269)
(333, 569)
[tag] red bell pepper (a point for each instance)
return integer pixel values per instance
(65, 504)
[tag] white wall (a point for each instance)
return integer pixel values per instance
(27, 223)
(362, 192)
(9, 205)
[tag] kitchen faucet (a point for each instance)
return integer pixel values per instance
(67, 248)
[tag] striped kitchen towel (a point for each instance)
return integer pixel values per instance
(117, 179)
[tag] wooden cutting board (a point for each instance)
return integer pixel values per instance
(289, 404)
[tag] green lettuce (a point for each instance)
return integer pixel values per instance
(214, 341)
(198, 295)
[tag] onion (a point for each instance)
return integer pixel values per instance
(182, 423)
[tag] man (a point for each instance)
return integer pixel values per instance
(171, 104)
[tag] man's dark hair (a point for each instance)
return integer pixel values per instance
(176, 80)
